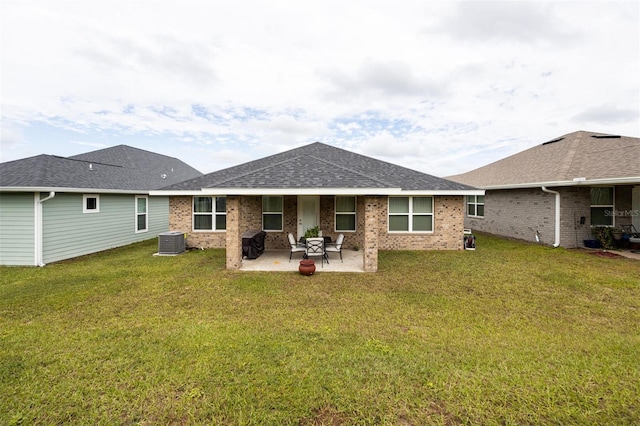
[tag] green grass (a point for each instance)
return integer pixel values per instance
(511, 333)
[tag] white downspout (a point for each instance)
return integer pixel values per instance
(557, 194)
(38, 231)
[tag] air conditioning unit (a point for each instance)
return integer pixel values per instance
(171, 242)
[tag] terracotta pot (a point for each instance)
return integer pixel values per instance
(307, 267)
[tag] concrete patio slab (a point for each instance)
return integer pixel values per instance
(278, 260)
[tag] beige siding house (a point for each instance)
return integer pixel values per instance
(375, 204)
(556, 192)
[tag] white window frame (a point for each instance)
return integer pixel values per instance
(213, 213)
(612, 206)
(281, 213)
(410, 214)
(146, 214)
(475, 203)
(85, 197)
(355, 217)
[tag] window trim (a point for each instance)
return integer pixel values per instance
(213, 213)
(410, 214)
(354, 213)
(281, 213)
(85, 197)
(474, 203)
(146, 214)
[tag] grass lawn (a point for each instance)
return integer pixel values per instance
(511, 333)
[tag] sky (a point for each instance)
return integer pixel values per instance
(440, 87)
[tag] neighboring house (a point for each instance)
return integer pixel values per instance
(54, 208)
(376, 205)
(557, 191)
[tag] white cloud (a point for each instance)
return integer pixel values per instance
(430, 85)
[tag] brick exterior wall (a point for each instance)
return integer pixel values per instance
(181, 219)
(245, 213)
(624, 205)
(448, 223)
(371, 237)
(575, 202)
(519, 213)
(234, 232)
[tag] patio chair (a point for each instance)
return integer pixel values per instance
(295, 246)
(336, 247)
(315, 247)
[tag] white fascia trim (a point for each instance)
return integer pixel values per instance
(459, 192)
(315, 191)
(163, 193)
(76, 190)
(576, 182)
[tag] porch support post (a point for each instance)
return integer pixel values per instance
(371, 231)
(234, 241)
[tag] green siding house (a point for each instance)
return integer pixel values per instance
(55, 208)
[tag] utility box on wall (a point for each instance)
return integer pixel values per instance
(171, 242)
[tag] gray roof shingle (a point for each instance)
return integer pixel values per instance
(318, 165)
(117, 168)
(580, 154)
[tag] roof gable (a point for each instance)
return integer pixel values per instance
(574, 156)
(319, 166)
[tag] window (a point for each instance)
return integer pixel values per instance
(475, 205)
(272, 213)
(345, 213)
(410, 214)
(209, 213)
(602, 206)
(142, 218)
(90, 203)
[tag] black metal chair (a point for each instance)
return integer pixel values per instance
(315, 247)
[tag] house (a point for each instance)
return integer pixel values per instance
(375, 204)
(557, 191)
(54, 208)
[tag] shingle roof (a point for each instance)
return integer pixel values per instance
(580, 154)
(319, 166)
(117, 168)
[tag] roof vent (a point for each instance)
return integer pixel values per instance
(553, 141)
(606, 136)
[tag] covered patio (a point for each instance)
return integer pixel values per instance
(278, 260)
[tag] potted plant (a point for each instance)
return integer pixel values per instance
(312, 232)
(616, 233)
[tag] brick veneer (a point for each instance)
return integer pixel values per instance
(245, 213)
(234, 232)
(519, 213)
(181, 219)
(448, 224)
